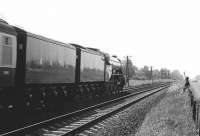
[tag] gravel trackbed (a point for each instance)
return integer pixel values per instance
(128, 121)
(167, 113)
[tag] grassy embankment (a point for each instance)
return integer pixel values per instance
(171, 117)
(140, 82)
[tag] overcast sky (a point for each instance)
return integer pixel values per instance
(161, 33)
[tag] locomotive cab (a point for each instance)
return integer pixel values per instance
(8, 45)
(116, 66)
(116, 74)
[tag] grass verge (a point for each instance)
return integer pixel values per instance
(171, 117)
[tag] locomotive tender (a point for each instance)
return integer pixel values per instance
(36, 71)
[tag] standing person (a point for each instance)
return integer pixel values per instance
(187, 84)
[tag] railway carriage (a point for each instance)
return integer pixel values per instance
(8, 45)
(39, 72)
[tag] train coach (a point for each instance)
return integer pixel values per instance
(39, 72)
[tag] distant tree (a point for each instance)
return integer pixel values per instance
(165, 73)
(139, 75)
(147, 72)
(156, 74)
(197, 77)
(176, 75)
(132, 68)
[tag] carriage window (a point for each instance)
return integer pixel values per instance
(6, 50)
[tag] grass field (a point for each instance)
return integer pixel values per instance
(139, 82)
(171, 117)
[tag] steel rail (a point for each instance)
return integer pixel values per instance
(24, 130)
(104, 116)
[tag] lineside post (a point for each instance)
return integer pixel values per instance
(127, 70)
(197, 116)
(195, 104)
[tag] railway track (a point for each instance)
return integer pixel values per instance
(76, 122)
(143, 86)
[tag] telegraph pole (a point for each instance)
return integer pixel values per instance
(151, 75)
(127, 69)
(168, 74)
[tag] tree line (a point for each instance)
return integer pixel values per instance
(147, 72)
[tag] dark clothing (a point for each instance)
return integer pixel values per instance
(187, 84)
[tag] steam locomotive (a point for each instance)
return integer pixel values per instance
(37, 71)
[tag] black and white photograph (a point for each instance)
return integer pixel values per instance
(99, 68)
